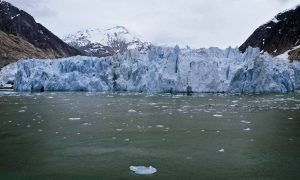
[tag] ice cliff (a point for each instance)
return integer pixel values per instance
(160, 70)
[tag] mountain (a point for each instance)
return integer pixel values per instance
(105, 42)
(280, 36)
(22, 37)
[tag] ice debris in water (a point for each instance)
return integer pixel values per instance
(222, 150)
(74, 119)
(245, 122)
(87, 124)
(142, 170)
(131, 111)
(247, 129)
(217, 115)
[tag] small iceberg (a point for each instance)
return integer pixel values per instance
(142, 170)
(245, 122)
(218, 115)
(222, 150)
(74, 119)
(132, 111)
(160, 126)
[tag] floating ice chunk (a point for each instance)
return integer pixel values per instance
(160, 126)
(21, 111)
(127, 140)
(131, 111)
(222, 150)
(218, 115)
(180, 110)
(87, 124)
(119, 130)
(142, 170)
(245, 122)
(290, 118)
(74, 119)
(152, 103)
(247, 129)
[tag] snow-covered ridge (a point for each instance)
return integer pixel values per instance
(278, 17)
(161, 70)
(105, 42)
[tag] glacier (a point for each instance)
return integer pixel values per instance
(160, 70)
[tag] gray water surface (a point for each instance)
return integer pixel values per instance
(98, 136)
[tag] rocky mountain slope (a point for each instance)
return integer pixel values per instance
(105, 42)
(279, 36)
(22, 37)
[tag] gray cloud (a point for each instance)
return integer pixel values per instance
(37, 8)
(199, 23)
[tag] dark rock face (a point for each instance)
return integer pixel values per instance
(294, 54)
(279, 35)
(23, 28)
(99, 50)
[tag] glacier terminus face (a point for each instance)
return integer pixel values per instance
(160, 70)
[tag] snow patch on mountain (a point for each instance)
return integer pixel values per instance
(106, 42)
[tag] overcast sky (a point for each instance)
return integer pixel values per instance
(198, 23)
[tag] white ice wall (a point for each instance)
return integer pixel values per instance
(161, 70)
